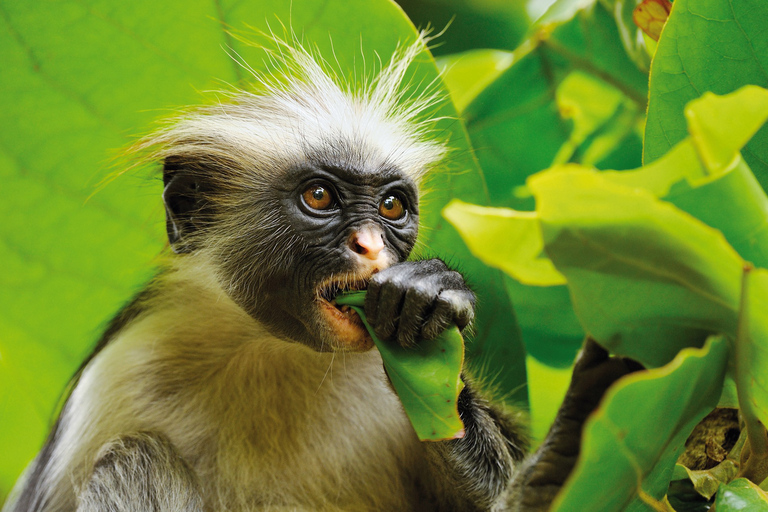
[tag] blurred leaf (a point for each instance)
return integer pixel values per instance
(707, 45)
(561, 11)
(511, 241)
(551, 331)
(73, 256)
(741, 494)
(427, 378)
(505, 239)
(515, 123)
(721, 125)
(471, 24)
(467, 74)
(630, 443)
(547, 388)
(589, 103)
(631, 35)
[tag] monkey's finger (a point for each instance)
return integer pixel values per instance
(463, 307)
(388, 310)
(372, 302)
(416, 306)
(452, 307)
(438, 321)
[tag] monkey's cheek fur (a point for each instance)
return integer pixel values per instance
(348, 330)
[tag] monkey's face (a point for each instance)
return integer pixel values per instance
(351, 224)
(287, 248)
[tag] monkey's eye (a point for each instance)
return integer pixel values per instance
(392, 208)
(318, 197)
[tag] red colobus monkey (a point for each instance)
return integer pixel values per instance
(233, 381)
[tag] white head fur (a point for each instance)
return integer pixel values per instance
(304, 108)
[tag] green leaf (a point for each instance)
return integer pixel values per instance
(631, 35)
(630, 443)
(427, 378)
(707, 482)
(646, 278)
(707, 45)
(679, 177)
(752, 352)
(515, 124)
(602, 118)
(721, 125)
(741, 494)
(511, 241)
(517, 128)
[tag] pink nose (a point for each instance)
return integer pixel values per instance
(368, 241)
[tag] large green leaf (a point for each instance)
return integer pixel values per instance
(707, 45)
(707, 168)
(647, 279)
(81, 79)
(631, 442)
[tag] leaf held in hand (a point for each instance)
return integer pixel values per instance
(426, 378)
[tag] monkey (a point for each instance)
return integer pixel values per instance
(233, 381)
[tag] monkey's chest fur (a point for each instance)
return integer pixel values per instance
(262, 422)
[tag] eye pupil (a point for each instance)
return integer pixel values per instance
(318, 194)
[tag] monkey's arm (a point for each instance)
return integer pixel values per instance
(540, 477)
(141, 472)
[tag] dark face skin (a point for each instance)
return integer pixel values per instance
(338, 216)
(328, 228)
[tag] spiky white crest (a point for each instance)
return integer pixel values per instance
(307, 111)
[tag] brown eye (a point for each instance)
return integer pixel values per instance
(318, 197)
(392, 208)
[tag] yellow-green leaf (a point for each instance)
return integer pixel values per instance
(506, 239)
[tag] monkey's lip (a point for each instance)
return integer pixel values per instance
(347, 326)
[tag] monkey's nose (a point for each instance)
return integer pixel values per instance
(367, 241)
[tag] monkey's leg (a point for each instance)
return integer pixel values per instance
(472, 472)
(541, 476)
(141, 472)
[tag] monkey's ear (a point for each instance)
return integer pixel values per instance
(185, 207)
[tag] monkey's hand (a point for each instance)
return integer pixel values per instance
(417, 300)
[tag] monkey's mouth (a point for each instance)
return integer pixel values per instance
(347, 327)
